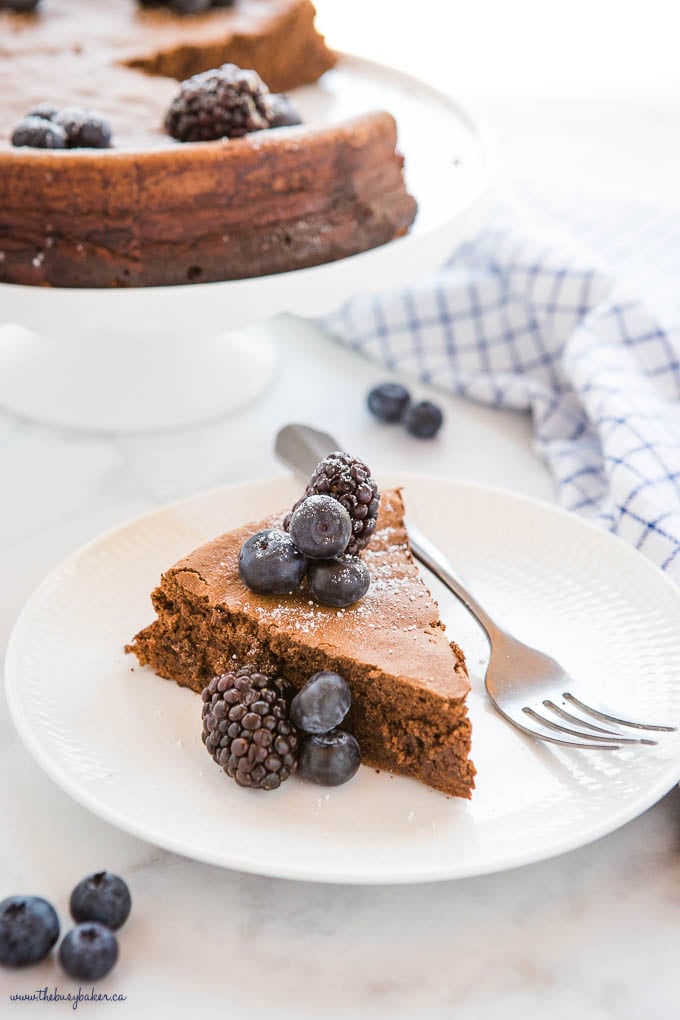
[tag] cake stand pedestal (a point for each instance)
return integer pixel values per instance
(120, 383)
(166, 357)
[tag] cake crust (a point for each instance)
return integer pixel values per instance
(409, 684)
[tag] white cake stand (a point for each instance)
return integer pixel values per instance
(166, 357)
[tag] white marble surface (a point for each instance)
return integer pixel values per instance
(592, 933)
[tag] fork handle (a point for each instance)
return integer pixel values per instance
(428, 554)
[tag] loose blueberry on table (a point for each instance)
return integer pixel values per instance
(29, 928)
(101, 897)
(423, 420)
(388, 401)
(89, 951)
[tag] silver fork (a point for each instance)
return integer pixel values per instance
(529, 688)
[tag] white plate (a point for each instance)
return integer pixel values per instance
(127, 744)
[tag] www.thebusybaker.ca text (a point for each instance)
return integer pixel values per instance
(75, 998)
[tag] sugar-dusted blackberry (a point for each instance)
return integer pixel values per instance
(352, 484)
(225, 103)
(247, 728)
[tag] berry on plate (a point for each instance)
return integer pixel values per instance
(270, 563)
(330, 759)
(322, 704)
(349, 481)
(338, 583)
(247, 730)
(321, 528)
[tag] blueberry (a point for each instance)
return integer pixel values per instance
(321, 528)
(101, 897)
(338, 583)
(388, 401)
(281, 111)
(269, 563)
(322, 703)
(23, 6)
(29, 927)
(329, 759)
(46, 111)
(189, 6)
(423, 420)
(88, 951)
(39, 134)
(84, 129)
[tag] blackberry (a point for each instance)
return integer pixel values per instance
(247, 730)
(352, 484)
(225, 103)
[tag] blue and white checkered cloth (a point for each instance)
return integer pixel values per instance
(526, 318)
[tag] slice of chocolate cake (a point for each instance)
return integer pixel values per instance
(409, 684)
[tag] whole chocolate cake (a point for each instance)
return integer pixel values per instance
(154, 211)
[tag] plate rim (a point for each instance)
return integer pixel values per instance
(666, 779)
